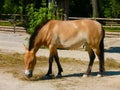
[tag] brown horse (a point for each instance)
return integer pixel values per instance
(68, 35)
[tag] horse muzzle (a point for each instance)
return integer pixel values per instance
(28, 73)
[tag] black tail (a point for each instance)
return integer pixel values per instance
(102, 51)
(102, 41)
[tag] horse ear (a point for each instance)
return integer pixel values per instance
(25, 47)
(33, 50)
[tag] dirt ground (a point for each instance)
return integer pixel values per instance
(72, 76)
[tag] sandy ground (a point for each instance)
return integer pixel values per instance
(10, 42)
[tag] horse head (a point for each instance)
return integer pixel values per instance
(30, 61)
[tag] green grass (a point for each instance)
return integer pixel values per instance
(11, 24)
(112, 29)
(6, 24)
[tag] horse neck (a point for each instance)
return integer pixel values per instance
(43, 38)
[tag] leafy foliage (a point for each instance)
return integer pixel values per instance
(82, 8)
(37, 16)
(9, 6)
(109, 8)
(37, 10)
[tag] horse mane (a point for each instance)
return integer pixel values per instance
(34, 34)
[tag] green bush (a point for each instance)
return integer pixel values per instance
(37, 16)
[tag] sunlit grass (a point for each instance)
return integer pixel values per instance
(112, 64)
(10, 59)
(14, 63)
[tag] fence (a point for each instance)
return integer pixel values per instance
(12, 18)
(107, 22)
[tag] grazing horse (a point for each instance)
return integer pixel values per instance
(68, 35)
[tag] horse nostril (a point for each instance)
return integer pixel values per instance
(28, 73)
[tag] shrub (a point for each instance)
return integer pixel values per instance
(37, 16)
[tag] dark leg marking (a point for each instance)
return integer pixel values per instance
(59, 66)
(92, 57)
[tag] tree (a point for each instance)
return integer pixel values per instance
(61, 8)
(109, 8)
(115, 8)
(94, 8)
(77, 8)
(66, 9)
(1, 5)
(80, 8)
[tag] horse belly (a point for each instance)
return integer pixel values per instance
(72, 43)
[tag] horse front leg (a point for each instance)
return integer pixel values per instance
(49, 73)
(54, 54)
(51, 56)
(59, 66)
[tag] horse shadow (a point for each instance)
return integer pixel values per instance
(113, 50)
(93, 74)
(106, 73)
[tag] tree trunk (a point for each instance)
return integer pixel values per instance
(64, 5)
(24, 13)
(95, 8)
(66, 9)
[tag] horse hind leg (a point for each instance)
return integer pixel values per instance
(100, 54)
(92, 57)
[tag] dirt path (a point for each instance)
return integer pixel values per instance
(8, 82)
(68, 82)
(72, 79)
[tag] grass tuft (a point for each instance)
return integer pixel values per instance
(112, 64)
(13, 63)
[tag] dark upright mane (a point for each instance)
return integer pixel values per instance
(34, 34)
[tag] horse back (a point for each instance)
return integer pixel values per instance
(72, 33)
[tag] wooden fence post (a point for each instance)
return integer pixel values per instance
(14, 23)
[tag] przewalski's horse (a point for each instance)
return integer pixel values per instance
(68, 35)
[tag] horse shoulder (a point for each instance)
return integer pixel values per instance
(48, 32)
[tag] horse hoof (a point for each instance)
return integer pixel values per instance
(48, 76)
(99, 75)
(84, 76)
(59, 76)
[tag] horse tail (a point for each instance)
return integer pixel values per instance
(101, 47)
